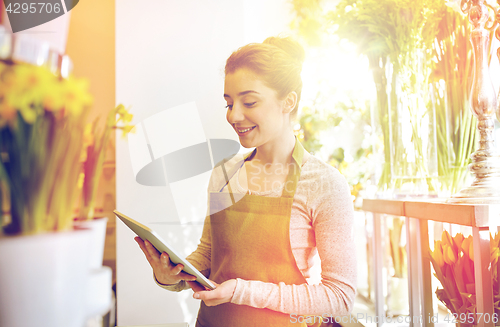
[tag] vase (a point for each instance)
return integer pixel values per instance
(97, 226)
(456, 134)
(379, 121)
(397, 297)
(412, 131)
(98, 296)
(43, 279)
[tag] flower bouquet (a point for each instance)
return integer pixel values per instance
(451, 80)
(94, 152)
(41, 136)
(453, 262)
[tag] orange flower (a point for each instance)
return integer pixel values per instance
(446, 238)
(437, 254)
(448, 255)
(458, 239)
(465, 245)
(495, 253)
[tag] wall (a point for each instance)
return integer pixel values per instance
(91, 47)
(170, 53)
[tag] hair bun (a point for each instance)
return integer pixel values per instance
(289, 45)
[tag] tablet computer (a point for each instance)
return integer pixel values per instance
(146, 233)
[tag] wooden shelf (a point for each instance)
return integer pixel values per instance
(389, 207)
(473, 215)
(480, 217)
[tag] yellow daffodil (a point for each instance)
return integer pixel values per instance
(127, 129)
(29, 114)
(471, 250)
(123, 120)
(75, 95)
(31, 95)
(31, 90)
(124, 114)
(52, 99)
(96, 140)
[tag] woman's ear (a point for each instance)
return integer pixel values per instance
(290, 102)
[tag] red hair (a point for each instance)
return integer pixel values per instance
(277, 60)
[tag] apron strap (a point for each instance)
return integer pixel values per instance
(291, 179)
(233, 171)
(294, 173)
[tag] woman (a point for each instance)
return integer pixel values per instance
(269, 210)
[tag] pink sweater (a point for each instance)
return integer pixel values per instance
(321, 221)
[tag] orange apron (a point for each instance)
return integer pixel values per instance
(251, 241)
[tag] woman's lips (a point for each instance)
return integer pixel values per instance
(244, 130)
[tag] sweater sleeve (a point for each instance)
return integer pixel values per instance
(331, 212)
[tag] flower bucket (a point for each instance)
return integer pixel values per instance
(43, 279)
(97, 226)
(98, 296)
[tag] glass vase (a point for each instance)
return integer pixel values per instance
(456, 134)
(379, 121)
(412, 129)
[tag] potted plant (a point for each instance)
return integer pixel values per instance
(96, 140)
(94, 152)
(43, 260)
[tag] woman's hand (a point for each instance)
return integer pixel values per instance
(222, 294)
(165, 271)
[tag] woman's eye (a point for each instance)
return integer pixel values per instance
(250, 104)
(229, 106)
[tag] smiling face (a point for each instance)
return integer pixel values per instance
(254, 110)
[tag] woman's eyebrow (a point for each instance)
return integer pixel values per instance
(246, 92)
(242, 93)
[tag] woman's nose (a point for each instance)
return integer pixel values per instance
(235, 115)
